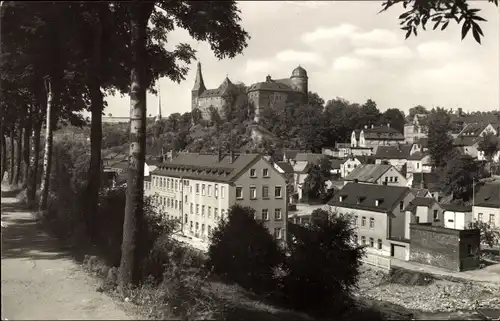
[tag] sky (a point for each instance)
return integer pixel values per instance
(349, 51)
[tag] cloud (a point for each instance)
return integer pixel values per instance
(308, 4)
(436, 50)
(256, 66)
(348, 63)
(303, 57)
(339, 32)
(399, 52)
(376, 36)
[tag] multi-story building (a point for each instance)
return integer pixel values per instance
(375, 137)
(380, 174)
(199, 189)
(487, 204)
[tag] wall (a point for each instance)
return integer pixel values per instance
(205, 103)
(391, 175)
(457, 220)
(379, 231)
(487, 211)
(417, 166)
(442, 247)
(271, 203)
(348, 166)
(399, 222)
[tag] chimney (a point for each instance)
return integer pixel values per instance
(388, 125)
(372, 126)
(231, 156)
(366, 126)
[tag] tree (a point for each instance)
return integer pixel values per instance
(440, 142)
(419, 109)
(323, 264)
(490, 235)
(243, 251)
(315, 100)
(440, 13)
(214, 22)
(196, 116)
(314, 186)
(369, 113)
(394, 117)
(458, 175)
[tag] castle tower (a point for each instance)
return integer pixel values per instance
(299, 81)
(158, 115)
(198, 88)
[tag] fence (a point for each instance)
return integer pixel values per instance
(378, 261)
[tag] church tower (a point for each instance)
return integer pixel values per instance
(158, 115)
(198, 88)
(300, 81)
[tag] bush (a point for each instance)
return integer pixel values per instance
(243, 251)
(322, 267)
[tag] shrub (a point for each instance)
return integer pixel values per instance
(243, 251)
(322, 267)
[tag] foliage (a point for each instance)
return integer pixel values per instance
(314, 186)
(243, 251)
(490, 235)
(440, 13)
(394, 117)
(440, 142)
(490, 145)
(323, 266)
(458, 175)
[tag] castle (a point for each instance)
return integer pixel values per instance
(262, 94)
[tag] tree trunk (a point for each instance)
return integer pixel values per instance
(35, 154)
(96, 97)
(133, 219)
(47, 157)
(26, 146)
(3, 151)
(12, 156)
(19, 153)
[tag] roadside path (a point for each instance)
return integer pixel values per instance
(40, 281)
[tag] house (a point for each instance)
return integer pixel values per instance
(334, 152)
(285, 169)
(348, 166)
(458, 217)
(396, 155)
(421, 192)
(376, 174)
(197, 190)
(452, 249)
(301, 163)
(419, 162)
(426, 210)
(375, 137)
(469, 138)
(416, 128)
(486, 207)
(379, 216)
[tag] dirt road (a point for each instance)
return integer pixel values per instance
(40, 281)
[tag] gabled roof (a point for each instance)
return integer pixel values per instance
(292, 153)
(473, 129)
(423, 141)
(418, 155)
(285, 166)
(272, 85)
(419, 192)
(364, 197)
(207, 166)
(308, 157)
(420, 201)
(488, 195)
(401, 151)
(380, 133)
(456, 207)
(368, 173)
(336, 163)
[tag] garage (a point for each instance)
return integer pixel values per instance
(398, 251)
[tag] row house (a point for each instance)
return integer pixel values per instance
(375, 137)
(379, 174)
(199, 189)
(379, 216)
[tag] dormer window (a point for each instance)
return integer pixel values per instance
(341, 198)
(378, 202)
(361, 199)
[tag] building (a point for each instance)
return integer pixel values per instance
(348, 166)
(426, 210)
(421, 192)
(396, 156)
(416, 128)
(379, 216)
(375, 137)
(487, 204)
(419, 162)
(271, 92)
(452, 249)
(334, 152)
(381, 174)
(469, 138)
(429, 181)
(198, 190)
(457, 217)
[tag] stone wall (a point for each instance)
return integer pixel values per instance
(443, 247)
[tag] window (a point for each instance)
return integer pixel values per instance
(363, 239)
(277, 192)
(371, 242)
(396, 179)
(239, 192)
(277, 233)
(191, 226)
(176, 185)
(372, 222)
(202, 229)
(197, 209)
(265, 214)
(379, 244)
(197, 226)
(209, 214)
(253, 172)
(223, 191)
(209, 190)
(355, 220)
(401, 205)
(185, 218)
(348, 165)
(265, 192)
(355, 236)
(417, 219)
(185, 198)
(418, 165)
(277, 214)
(209, 230)
(480, 217)
(203, 192)
(190, 189)
(265, 172)
(363, 221)
(197, 188)
(386, 179)
(216, 190)
(492, 220)
(253, 192)
(191, 208)
(176, 203)
(216, 212)
(469, 250)
(203, 210)
(435, 215)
